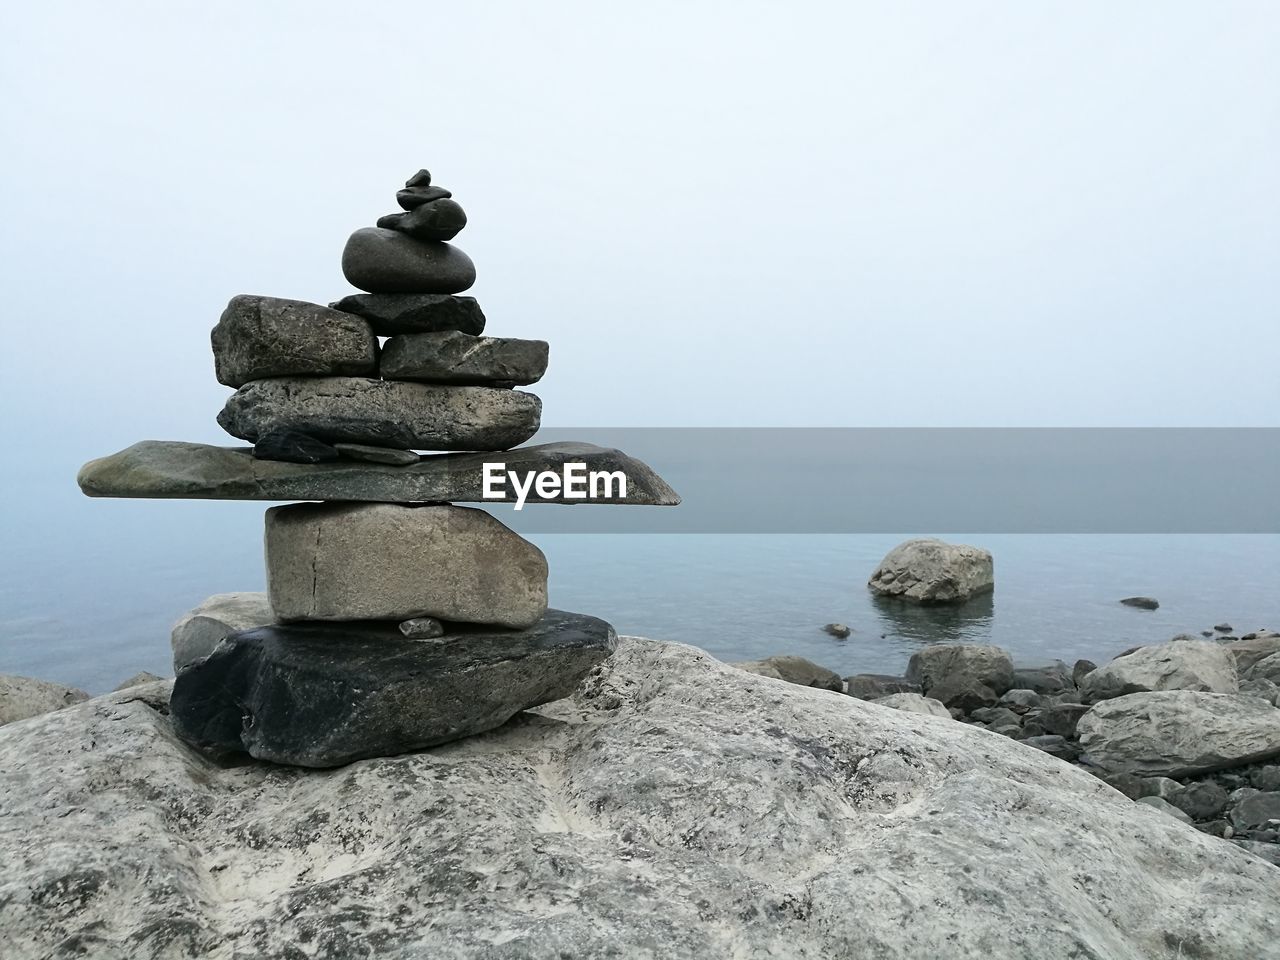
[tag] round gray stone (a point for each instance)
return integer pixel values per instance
(387, 261)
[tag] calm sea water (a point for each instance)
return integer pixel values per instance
(88, 593)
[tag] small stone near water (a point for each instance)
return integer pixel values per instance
(452, 357)
(368, 454)
(797, 670)
(293, 446)
(1165, 807)
(1202, 800)
(411, 198)
(23, 697)
(1062, 718)
(387, 261)
(137, 680)
(1141, 603)
(914, 703)
(1020, 701)
(1222, 627)
(873, 686)
(1262, 687)
(390, 314)
(837, 630)
(1268, 668)
(422, 628)
(931, 571)
(202, 629)
(962, 674)
(437, 220)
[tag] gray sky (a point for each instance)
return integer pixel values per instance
(836, 214)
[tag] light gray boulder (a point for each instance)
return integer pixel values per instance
(932, 571)
(797, 670)
(1249, 650)
(667, 811)
(383, 413)
(23, 697)
(1266, 689)
(259, 337)
(385, 561)
(199, 631)
(1178, 733)
(1177, 665)
(1268, 668)
(914, 703)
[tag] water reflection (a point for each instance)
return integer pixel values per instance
(935, 622)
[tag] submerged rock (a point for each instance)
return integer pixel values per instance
(1141, 603)
(667, 811)
(23, 697)
(931, 571)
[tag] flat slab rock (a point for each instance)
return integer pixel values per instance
(172, 469)
(322, 695)
(674, 808)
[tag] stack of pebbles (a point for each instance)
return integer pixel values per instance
(397, 620)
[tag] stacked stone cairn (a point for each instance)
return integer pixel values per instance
(396, 620)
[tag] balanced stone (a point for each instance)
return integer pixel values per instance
(387, 261)
(420, 179)
(410, 198)
(383, 561)
(437, 220)
(292, 446)
(392, 313)
(321, 695)
(384, 413)
(171, 469)
(452, 357)
(368, 454)
(259, 337)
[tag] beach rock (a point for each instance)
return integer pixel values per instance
(797, 670)
(410, 198)
(452, 357)
(386, 261)
(202, 629)
(322, 695)
(422, 628)
(1162, 787)
(1266, 777)
(837, 630)
(964, 675)
(434, 220)
(1270, 852)
(1257, 811)
(367, 454)
(259, 337)
(390, 314)
(1268, 668)
(169, 469)
(1081, 670)
(931, 571)
(137, 680)
(1177, 665)
(914, 703)
(23, 697)
(1179, 733)
(667, 811)
(1062, 718)
(1051, 678)
(1249, 652)
(383, 561)
(1266, 689)
(1202, 800)
(1141, 603)
(995, 715)
(1164, 806)
(1020, 700)
(874, 686)
(293, 446)
(384, 413)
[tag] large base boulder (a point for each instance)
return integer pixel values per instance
(321, 695)
(23, 697)
(389, 561)
(675, 808)
(1177, 665)
(931, 571)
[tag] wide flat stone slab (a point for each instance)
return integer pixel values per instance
(172, 469)
(321, 695)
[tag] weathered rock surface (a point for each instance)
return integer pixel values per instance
(321, 695)
(422, 628)
(914, 703)
(1257, 811)
(384, 561)
(452, 357)
(873, 686)
(292, 446)
(965, 675)
(387, 261)
(931, 571)
(1177, 665)
(368, 454)
(668, 811)
(1049, 678)
(1267, 668)
(259, 337)
(166, 469)
(385, 413)
(1249, 650)
(797, 670)
(440, 219)
(1165, 807)
(390, 314)
(199, 631)
(137, 680)
(23, 697)
(1177, 733)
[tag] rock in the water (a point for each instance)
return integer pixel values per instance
(293, 446)
(435, 220)
(838, 630)
(874, 686)
(390, 314)
(1165, 807)
(202, 629)
(385, 413)
(169, 469)
(931, 571)
(1020, 699)
(387, 261)
(1177, 665)
(383, 561)
(23, 697)
(914, 703)
(453, 357)
(1222, 627)
(368, 454)
(137, 680)
(1050, 678)
(667, 811)
(1179, 733)
(422, 628)
(1141, 603)
(965, 675)
(321, 695)
(410, 198)
(261, 337)
(797, 670)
